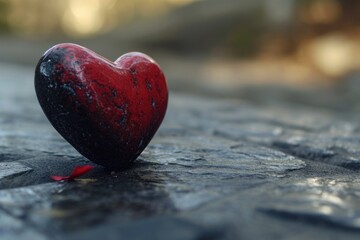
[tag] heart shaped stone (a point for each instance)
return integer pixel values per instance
(108, 111)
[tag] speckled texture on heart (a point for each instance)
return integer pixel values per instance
(108, 111)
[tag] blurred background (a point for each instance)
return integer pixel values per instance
(273, 51)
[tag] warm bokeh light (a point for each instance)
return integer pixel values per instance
(32, 17)
(180, 2)
(83, 16)
(237, 42)
(322, 12)
(335, 54)
(80, 18)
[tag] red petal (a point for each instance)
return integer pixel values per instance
(77, 172)
(59, 178)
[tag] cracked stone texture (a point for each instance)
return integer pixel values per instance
(217, 169)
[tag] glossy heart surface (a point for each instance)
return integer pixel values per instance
(108, 111)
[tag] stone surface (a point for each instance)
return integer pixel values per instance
(217, 169)
(12, 169)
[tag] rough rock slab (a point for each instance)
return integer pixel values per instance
(217, 169)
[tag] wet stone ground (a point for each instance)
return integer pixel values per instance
(217, 169)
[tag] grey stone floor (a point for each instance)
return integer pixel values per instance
(217, 169)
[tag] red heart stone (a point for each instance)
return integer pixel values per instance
(108, 111)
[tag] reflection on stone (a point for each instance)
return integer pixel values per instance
(322, 200)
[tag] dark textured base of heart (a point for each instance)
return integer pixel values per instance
(108, 111)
